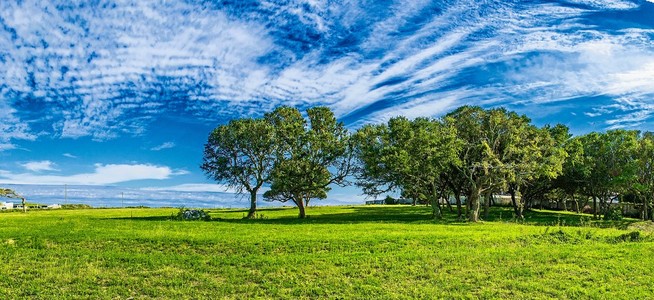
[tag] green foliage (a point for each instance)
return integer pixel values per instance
(501, 150)
(633, 236)
(240, 154)
(311, 155)
(613, 213)
(472, 151)
(390, 200)
(406, 155)
(75, 206)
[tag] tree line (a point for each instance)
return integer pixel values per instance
(470, 153)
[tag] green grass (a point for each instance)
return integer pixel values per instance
(360, 252)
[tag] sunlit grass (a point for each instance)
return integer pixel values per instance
(338, 252)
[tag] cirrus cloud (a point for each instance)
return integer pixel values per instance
(109, 69)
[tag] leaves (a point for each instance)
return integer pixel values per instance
(310, 155)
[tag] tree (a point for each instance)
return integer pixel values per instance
(240, 154)
(644, 186)
(407, 155)
(9, 193)
(309, 156)
(490, 139)
(610, 160)
(536, 158)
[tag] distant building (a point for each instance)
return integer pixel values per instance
(54, 206)
(371, 202)
(6, 205)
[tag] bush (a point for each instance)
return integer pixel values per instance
(191, 215)
(76, 206)
(633, 236)
(390, 200)
(613, 213)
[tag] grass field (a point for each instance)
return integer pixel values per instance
(360, 252)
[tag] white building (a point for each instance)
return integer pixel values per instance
(6, 205)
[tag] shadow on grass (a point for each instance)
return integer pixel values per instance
(140, 218)
(555, 218)
(399, 214)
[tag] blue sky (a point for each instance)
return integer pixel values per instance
(125, 92)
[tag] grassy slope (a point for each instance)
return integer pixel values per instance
(339, 252)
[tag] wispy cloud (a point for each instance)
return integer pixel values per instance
(112, 69)
(101, 175)
(69, 155)
(39, 166)
(166, 145)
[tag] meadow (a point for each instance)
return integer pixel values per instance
(352, 252)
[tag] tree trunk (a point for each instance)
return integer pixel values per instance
(645, 209)
(473, 199)
(594, 207)
(487, 201)
(436, 209)
(435, 195)
(459, 210)
(22, 200)
(517, 207)
(300, 206)
(253, 205)
(576, 203)
(447, 202)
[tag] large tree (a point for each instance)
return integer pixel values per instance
(309, 157)
(536, 157)
(240, 155)
(490, 138)
(408, 156)
(610, 160)
(573, 173)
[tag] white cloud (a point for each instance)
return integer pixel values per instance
(39, 166)
(69, 155)
(166, 145)
(102, 175)
(610, 4)
(202, 187)
(7, 146)
(410, 57)
(198, 187)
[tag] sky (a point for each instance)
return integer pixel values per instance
(124, 93)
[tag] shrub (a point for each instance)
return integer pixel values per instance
(192, 214)
(633, 236)
(76, 206)
(390, 200)
(613, 213)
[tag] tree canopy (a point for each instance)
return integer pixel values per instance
(311, 155)
(472, 152)
(240, 154)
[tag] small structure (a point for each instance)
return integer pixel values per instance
(53, 206)
(6, 205)
(373, 202)
(9, 193)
